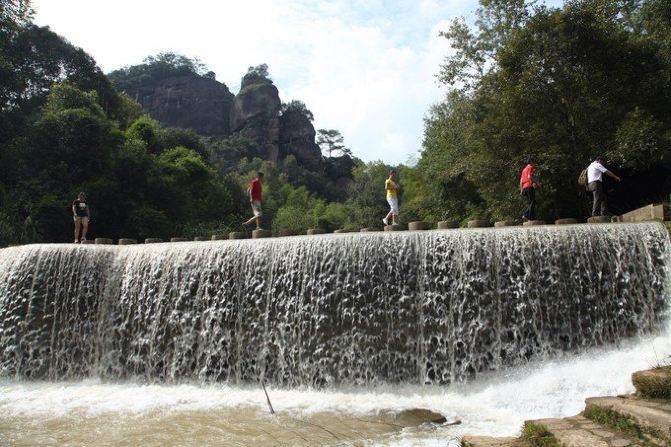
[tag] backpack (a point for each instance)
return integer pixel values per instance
(582, 178)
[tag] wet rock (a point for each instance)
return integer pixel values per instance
(419, 416)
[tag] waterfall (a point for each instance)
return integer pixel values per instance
(404, 307)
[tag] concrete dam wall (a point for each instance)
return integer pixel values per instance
(420, 307)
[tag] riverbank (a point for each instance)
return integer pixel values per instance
(640, 419)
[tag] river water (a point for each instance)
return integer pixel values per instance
(94, 413)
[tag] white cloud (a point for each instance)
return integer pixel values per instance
(365, 68)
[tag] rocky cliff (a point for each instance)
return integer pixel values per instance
(208, 107)
(188, 101)
(297, 138)
(255, 115)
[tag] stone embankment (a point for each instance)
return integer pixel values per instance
(642, 419)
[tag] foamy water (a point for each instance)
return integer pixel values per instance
(42, 413)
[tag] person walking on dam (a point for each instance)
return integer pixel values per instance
(255, 190)
(392, 188)
(595, 173)
(81, 215)
(528, 189)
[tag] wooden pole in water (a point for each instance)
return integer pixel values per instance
(267, 398)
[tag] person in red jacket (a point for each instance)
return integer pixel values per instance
(255, 190)
(528, 189)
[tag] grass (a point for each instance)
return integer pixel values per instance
(538, 435)
(656, 384)
(613, 419)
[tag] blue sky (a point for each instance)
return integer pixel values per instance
(366, 68)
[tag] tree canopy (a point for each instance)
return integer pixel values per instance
(561, 85)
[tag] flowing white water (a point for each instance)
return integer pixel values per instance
(429, 307)
(495, 405)
(162, 345)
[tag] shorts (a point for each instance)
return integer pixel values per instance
(393, 204)
(256, 207)
(82, 219)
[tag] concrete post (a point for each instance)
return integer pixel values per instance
(478, 223)
(315, 231)
(599, 219)
(531, 223)
(238, 235)
(153, 240)
(567, 221)
(419, 226)
(180, 239)
(126, 241)
(219, 237)
(447, 224)
(506, 223)
(397, 227)
(370, 230)
(103, 241)
(260, 234)
(200, 239)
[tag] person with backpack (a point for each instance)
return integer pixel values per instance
(81, 215)
(528, 189)
(595, 173)
(254, 191)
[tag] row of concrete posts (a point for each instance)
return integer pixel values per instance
(647, 213)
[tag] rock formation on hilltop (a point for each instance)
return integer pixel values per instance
(255, 115)
(177, 95)
(188, 101)
(297, 138)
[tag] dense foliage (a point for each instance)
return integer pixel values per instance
(561, 85)
(64, 129)
(156, 67)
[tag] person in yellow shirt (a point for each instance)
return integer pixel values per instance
(392, 189)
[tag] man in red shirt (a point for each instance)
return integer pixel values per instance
(254, 190)
(528, 188)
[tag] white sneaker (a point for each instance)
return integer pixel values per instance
(385, 221)
(76, 241)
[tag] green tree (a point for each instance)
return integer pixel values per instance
(560, 85)
(475, 49)
(146, 129)
(296, 106)
(332, 143)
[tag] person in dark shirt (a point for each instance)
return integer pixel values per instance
(81, 215)
(254, 190)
